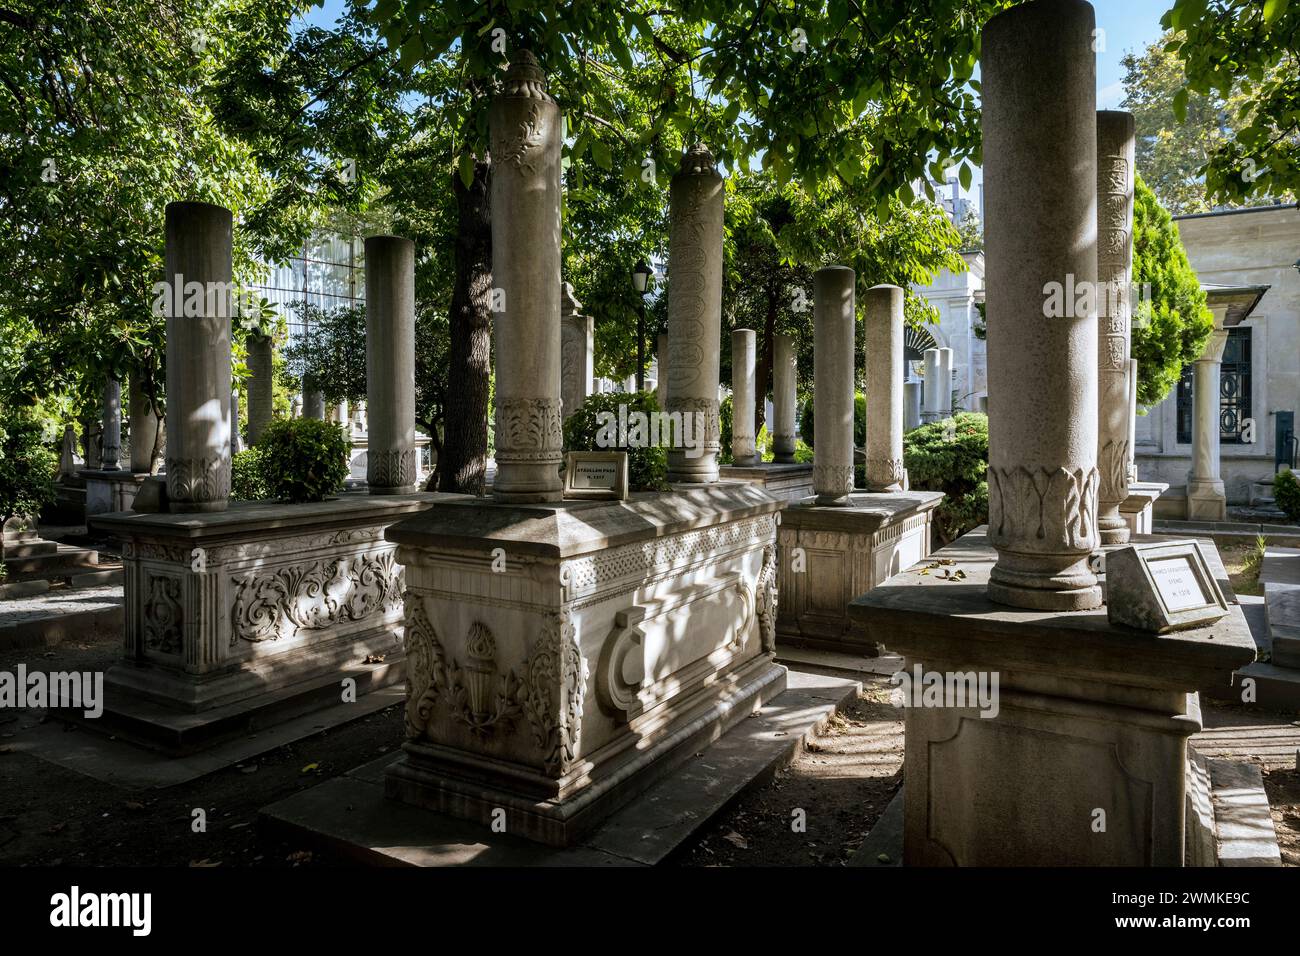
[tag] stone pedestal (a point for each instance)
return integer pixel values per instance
(242, 617)
(390, 365)
(108, 491)
(1079, 758)
(791, 482)
(883, 317)
(695, 310)
(111, 443)
(933, 390)
(1115, 172)
(911, 406)
(612, 640)
(743, 355)
(147, 434)
(526, 134)
(578, 353)
(1040, 194)
(1206, 500)
(828, 556)
(198, 359)
(1138, 508)
(261, 378)
(834, 322)
(785, 377)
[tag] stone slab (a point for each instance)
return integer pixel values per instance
(883, 846)
(50, 618)
(1242, 821)
(350, 814)
(837, 663)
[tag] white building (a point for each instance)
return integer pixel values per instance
(956, 296)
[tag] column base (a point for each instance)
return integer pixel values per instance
(1044, 582)
(1206, 501)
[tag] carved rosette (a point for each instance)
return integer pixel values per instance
(199, 480)
(832, 480)
(390, 469)
(1041, 509)
(556, 679)
(529, 430)
(162, 615)
(881, 472)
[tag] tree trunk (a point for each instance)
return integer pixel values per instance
(462, 465)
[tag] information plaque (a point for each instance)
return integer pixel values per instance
(1167, 586)
(595, 475)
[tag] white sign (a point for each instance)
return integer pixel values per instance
(1177, 583)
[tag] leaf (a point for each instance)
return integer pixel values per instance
(964, 175)
(1273, 9)
(1180, 105)
(310, 768)
(466, 167)
(600, 153)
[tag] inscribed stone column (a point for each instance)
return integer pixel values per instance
(198, 359)
(661, 356)
(695, 312)
(1040, 188)
(883, 316)
(911, 405)
(390, 364)
(833, 327)
(743, 356)
(785, 374)
(1206, 500)
(930, 408)
(525, 125)
(1132, 419)
(261, 375)
(146, 428)
(1115, 153)
(943, 397)
(111, 450)
(577, 352)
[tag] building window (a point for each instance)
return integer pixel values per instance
(1234, 391)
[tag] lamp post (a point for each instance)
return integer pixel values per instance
(641, 274)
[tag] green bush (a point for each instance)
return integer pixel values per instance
(1286, 492)
(27, 467)
(859, 421)
(305, 459)
(588, 429)
(248, 475)
(952, 456)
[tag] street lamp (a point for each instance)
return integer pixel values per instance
(641, 274)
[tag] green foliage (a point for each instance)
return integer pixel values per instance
(248, 475)
(589, 429)
(952, 456)
(1170, 328)
(304, 459)
(331, 352)
(1286, 492)
(859, 421)
(27, 466)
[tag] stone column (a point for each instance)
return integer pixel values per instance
(1206, 500)
(882, 311)
(577, 352)
(931, 408)
(833, 327)
(261, 368)
(67, 453)
(911, 405)
(1115, 154)
(695, 312)
(785, 376)
(944, 396)
(313, 401)
(1040, 188)
(390, 365)
(146, 428)
(111, 449)
(525, 125)
(661, 356)
(236, 445)
(198, 359)
(744, 449)
(1132, 420)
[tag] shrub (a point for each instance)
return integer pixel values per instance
(248, 475)
(27, 467)
(952, 456)
(588, 429)
(305, 459)
(1286, 492)
(859, 421)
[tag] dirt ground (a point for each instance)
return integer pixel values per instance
(1283, 789)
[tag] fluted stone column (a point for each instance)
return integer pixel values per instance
(833, 327)
(661, 356)
(261, 368)
(111, 449)
(526, 132)
(911, 405)
(944, 396)
(236, 444)
(931, 407)
(390, 365)
(1115, 154)
(785, 375)
(695, 311)
(744, 450)
(1206, 500)
(146, 428)
(577, 352)
(198, 359)
(1040, 187)
(882, 310)
(1132, 419)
